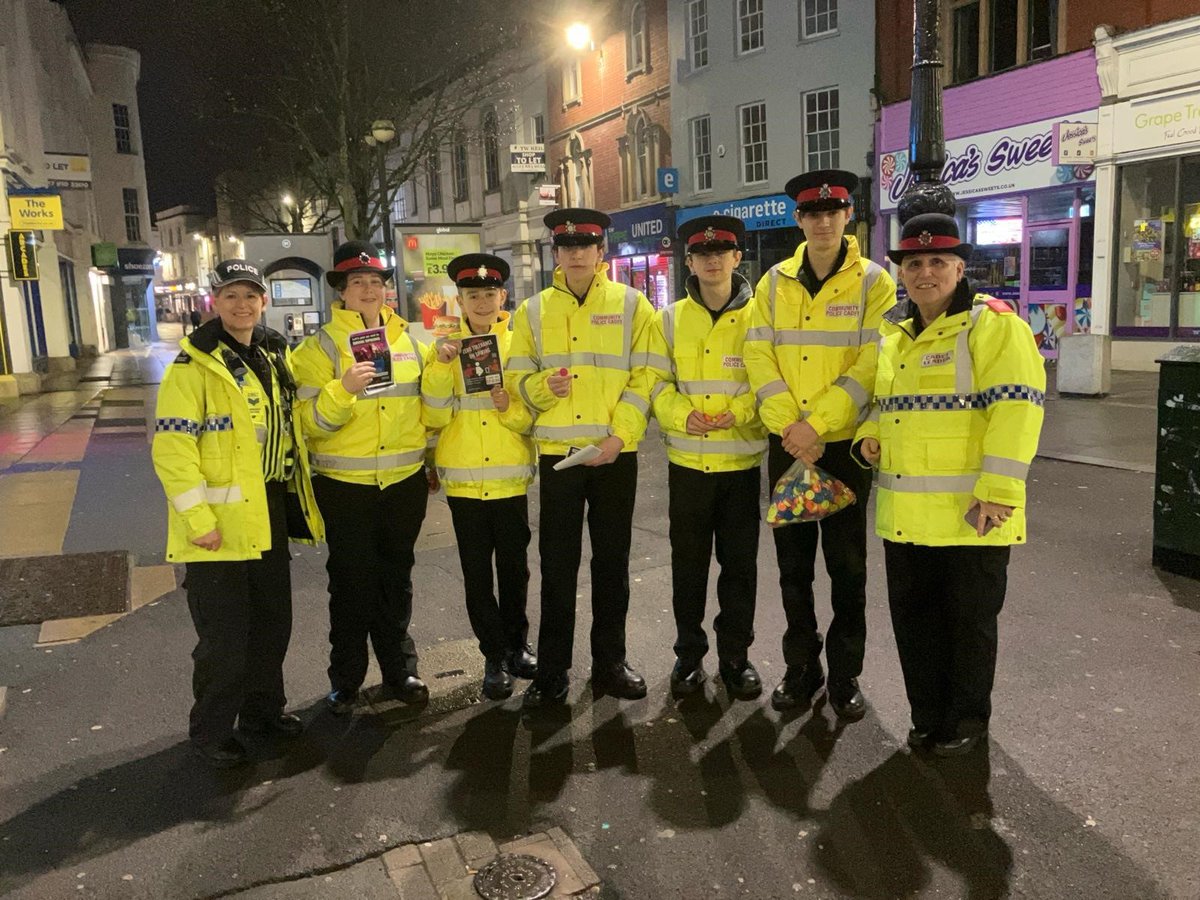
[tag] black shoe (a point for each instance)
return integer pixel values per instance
(847, 700)
(284, 725)
(226, 755)
(618, 680)
(522, 663)
(342, 702)
(497, 683)
(958, 746)
(546, 690)
(919, 740)
(686, 678)
(410, 689)
(741, 680)
(800, 684)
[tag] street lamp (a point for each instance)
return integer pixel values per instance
(579, 36)
(383, 132)
(926, 136)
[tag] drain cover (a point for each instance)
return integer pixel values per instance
(515, 877)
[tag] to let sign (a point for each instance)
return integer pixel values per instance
(32, 212)
(527, 158)
(22, 256)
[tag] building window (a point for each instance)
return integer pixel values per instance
(491, 151)
(752, 120)
(433, 173)
(133, 215)
(459, 171)
(822, 141)
(575, 173)
(122, 127)
(749, 25)
(701, 128)
(994, 35)
(697, 33)
(635, 43)
(572, 83)
(638, 150)
(818, 17)
(539, 129)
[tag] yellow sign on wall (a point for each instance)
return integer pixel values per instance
(34, 212)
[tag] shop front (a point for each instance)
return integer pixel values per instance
(1149, 190)
(771, 232)
(641, 246)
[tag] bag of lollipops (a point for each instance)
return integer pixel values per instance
(806, 493)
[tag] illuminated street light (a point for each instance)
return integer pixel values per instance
(579, 36)
(287, 200)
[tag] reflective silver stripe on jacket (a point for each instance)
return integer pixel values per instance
(434, 402)
(799, 337)
(521, 364)
(642, 406)
(206, 494)
(856, 391)
(1002, 465)
(656, 361)
(327, 343)
(323, 423)
(397, 389)
(561, 433)
(728, 387)
(760, 333)
(367, 463)
(659, 387)
(668, 327)
(631, 296)
(475, 403)
(307, 393)
(533, 312)
(770, 389)
(773, 281)
(928, 484)
(493, 473)
(690, 444)
(584, 358)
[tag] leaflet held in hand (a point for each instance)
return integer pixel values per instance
(480, 361)
(371, 345)
(578, 456)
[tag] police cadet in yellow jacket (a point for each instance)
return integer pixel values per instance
(954, 427)
(485, 460)
(368, 456)
(578, 352)
(810, 353)
(715, 443)
(228, 458)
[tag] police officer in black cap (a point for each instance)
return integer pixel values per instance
(811, 355)
(715, 443)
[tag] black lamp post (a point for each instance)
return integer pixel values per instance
(382, 133)
(926, 136)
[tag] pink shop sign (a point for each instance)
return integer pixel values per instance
(1008, 161)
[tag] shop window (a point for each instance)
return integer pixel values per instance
(818, 18)
(491, 151)
(697, 33)
(701, 128)
(635, 43)
(750, 26)
(822, 140)
(989, 36)
(752, 123)
(1146, 251)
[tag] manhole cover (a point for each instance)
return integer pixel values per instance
(515, 877)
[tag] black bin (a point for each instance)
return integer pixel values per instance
(1177, 468)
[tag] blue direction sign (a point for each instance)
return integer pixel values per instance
(668, 181)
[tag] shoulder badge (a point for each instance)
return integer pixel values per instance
(999, 306)
(183, 358)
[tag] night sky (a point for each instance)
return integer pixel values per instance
(182, 159)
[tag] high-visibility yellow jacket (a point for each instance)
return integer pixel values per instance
(481, 453)
(207, 452)
(377, 438)
(698, 367)
(957, 413)
(813, 358)
(603, 341)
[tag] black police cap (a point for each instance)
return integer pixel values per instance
(577, 226)
(356, 256)
(473, 270)
(713, 233)
(822, 190)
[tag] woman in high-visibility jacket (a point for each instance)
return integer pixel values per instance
(715, 444)
(368, 453)
(485, 461)
(231, 463)
(954, 426)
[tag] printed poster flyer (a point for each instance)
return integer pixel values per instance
(480, 360)
(371, 346)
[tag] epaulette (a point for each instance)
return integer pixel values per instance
(183, 358)
(1004, 307)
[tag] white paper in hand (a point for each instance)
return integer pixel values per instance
(578, 457)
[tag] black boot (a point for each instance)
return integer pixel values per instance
(226, 755)
(342, 702)
(741, 680)
(618, 680)
(497, 683)
(847, 700)
(687, 678)
(522, 663)
(410, 689)
(800, 684)
(283, 725)
(546, 690)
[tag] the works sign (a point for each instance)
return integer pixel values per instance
(999, 162)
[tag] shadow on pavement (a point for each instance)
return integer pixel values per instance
(1184, 591)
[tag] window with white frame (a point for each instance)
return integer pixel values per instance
(822, 138)
(122, 128)
(539, 129)
(491, 151)
(133, 215)
(818, 17)
(459, 171)
(635, 39)
(701, 128)
(752, 130)
(697, 33)
(433, 174)
(638, 150)
(572, 82)
(750, 26)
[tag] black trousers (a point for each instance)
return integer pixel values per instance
(705, 506)
(499, 528)
(371, 534)
(608, 494)
(843, 538)
(242, 611)
(944, 603)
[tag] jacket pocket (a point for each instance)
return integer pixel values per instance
(949, 454)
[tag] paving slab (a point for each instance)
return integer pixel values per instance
(65, 631)
(364, 881)
(150, 583)
(39, 588)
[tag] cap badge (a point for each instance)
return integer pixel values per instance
(926, 238)
(825, 193)
(570, 227)
(710, 233)
(482, 272)
(364, 257)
